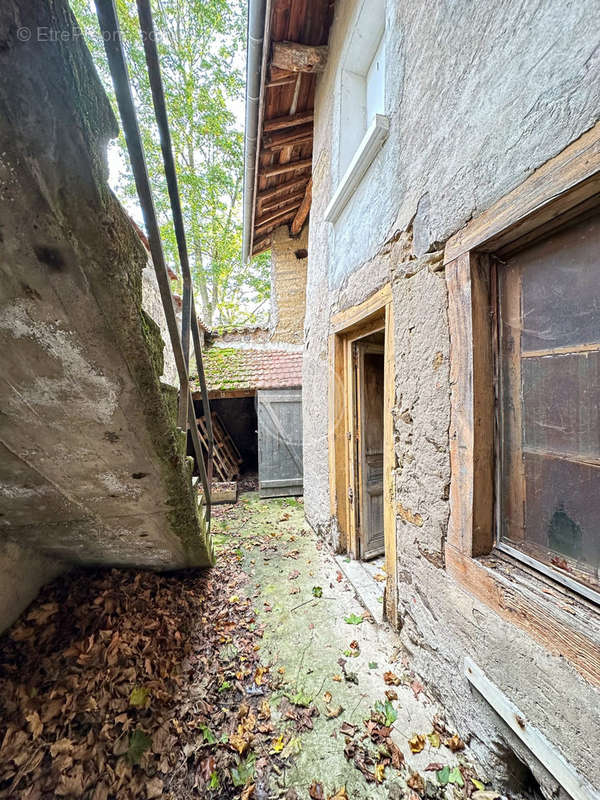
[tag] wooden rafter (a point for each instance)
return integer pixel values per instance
(303, 211)
(276, 140)
(270, 226)
(296, 197)
(287, 121)
(280, 169)
(289, 186)
(271, 217)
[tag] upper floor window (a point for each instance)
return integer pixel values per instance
(363, 125)
(549, 382)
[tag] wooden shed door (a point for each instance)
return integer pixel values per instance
(369, 409)
(279, 442)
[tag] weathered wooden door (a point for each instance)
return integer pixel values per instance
(369, 372)
(279, 442)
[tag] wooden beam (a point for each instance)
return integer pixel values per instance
(296, 57)
(292, 166)
(278, 123)
(262, 244)
(276, 74)
(303, 211)
(560, 185)
(268, 227)
(281, 82)
(275, 140)
(471, 524)
(283, 188)
(296, 197)
(299, 140)
(266, 218)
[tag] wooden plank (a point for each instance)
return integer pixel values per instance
(276, 74)
(470, 528)
(279, 123)
(389, 462)
(292, 166)
(295, 57)
(293, 142)
(280, 442)
(281, 82)
(270, 226)
(260, 245)
(274, 206)
(540, 620)
(293, 136)
(371, 306)
(560, 351)
(571, 178)
(283, 188)
(303, 211)
(548, 755)
(265, 219)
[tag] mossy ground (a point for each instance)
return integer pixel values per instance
(305, 637)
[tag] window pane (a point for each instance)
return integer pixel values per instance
(549, 358)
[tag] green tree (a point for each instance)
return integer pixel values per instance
(201, 46)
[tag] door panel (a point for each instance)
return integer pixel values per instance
(279, 414)
(369, 386)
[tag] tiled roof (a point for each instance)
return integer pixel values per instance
(229, 369)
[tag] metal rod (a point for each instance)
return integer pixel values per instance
(111, 33)
(162, 121)
(204, 392)
(109, 25)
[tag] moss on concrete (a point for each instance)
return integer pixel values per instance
(304, 639)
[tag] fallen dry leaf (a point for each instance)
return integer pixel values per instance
(391, 679)
(316, 791)
(455, 743)
(416, 782)
(417, 743)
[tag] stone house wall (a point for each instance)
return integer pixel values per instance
(288, 285)
(478, 96)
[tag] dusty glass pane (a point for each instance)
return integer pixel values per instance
(549, 392)
(561, 302)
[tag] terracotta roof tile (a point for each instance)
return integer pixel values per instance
(233, 369)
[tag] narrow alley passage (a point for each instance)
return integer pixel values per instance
(263, 678)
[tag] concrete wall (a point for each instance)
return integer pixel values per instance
(152, 305)
(92, 468)
(478, 96)
(288, 285)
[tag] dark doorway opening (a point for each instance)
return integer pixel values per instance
(368, 368)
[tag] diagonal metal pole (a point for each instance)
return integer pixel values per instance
(162, 120)
(109, 25)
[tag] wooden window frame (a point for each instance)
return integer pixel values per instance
(562, 190)
(374, 314)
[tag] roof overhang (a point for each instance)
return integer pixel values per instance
(287, 48)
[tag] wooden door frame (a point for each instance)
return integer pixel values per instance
(374, 314)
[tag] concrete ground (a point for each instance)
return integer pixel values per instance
(322, 648)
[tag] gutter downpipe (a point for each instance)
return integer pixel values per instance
(258, 32)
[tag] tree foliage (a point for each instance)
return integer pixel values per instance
(201, 46)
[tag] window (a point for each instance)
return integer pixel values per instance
(524, 309)
(363, 126)
(549, 402)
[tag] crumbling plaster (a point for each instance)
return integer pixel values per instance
(478, 97)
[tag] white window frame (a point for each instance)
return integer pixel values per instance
(360, 138)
